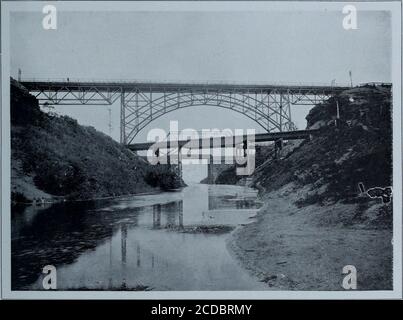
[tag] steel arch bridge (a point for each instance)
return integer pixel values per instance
(269, 105)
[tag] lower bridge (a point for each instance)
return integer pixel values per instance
(223, 141)
(172, 149)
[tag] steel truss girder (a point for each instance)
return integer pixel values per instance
(77, 96)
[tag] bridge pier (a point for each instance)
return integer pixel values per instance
(210, 174)
(214, 169)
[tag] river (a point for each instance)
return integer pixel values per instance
(162, 241)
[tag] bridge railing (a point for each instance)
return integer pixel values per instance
(184, 82)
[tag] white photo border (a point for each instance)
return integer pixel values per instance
(395, 7)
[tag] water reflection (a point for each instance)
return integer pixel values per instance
(156, 216)
(136, 243)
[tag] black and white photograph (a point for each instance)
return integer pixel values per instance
(224, 149)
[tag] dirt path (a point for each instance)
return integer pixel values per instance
(291, 248)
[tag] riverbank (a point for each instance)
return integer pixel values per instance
(292, 248)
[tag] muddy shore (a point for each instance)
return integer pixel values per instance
(291, 248)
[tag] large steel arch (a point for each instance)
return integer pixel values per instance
(159, 114)
(138, 110)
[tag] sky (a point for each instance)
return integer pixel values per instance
(295, 47)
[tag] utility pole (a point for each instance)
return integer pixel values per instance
(19, 75)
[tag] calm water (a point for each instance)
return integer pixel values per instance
(165, 241)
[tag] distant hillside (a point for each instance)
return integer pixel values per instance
(55, 156)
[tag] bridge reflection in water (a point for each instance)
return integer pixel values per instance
(173, 214)
(136, 243)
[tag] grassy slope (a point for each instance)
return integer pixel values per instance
(63, 158)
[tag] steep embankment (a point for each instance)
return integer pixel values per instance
(229, 176)
(53, 156)
(315, 219)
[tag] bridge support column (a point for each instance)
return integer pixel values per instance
(129, 115)
(280, 102)
(122, 119)
(281, 112)
(290, 123)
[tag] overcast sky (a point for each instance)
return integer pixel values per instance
(200, 46)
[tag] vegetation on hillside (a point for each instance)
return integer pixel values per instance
(358, 149)
(66, 159)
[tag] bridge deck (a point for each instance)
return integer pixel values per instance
(220, 142)
(130, 86)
